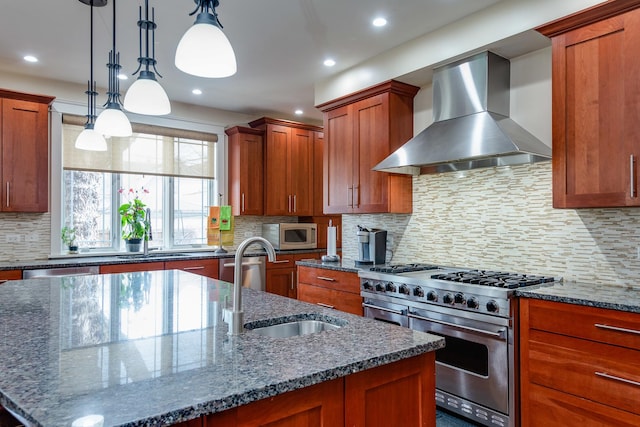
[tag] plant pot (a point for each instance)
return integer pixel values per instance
(73, 249)
(133, 245)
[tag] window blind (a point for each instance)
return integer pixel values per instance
(153, 150)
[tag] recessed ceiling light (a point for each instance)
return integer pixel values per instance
(122, 76)
(329, 62)
(30, 58)
(196, 92)
(298, 112)
(379, 22)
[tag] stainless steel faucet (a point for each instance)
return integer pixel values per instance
(235, 316)
(147, 235)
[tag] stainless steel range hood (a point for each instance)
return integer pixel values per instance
(471, 126)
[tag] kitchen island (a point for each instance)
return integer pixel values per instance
(150, 348)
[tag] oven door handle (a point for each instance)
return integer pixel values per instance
(498, 334)
(377, 307)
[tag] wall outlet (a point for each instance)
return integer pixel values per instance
(13, 238)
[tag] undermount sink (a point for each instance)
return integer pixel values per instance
(291, 328)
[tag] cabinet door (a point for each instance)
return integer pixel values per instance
(338, 162)
(203, 267)
(278, 198)
(596, 103)
(25, 156)
(301, 171)
(281, 281)
(246, 194)
(318, 181)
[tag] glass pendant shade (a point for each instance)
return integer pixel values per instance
(205, 51)
(113, 122)
(146, 96)
(91, 140)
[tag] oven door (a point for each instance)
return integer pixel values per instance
(474, 364)
(386, 312)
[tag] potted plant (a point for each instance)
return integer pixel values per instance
(68, 236)
(133, 220)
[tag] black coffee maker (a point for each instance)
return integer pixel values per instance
(372, 246)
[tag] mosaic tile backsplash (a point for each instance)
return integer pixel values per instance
(502, 218)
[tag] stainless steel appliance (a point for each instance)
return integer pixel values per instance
(288, 236)
(253, 271)
(372, 246)
(61, 271)
(472, 309)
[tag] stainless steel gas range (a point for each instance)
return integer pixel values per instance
(473, 310)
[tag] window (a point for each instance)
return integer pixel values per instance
(173, 175)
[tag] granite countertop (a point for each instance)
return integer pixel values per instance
(150, 348)
(614, 297)
(347, 265)
(128, 258)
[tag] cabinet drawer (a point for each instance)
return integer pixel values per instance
(596, 324)
(6, 275)
(342, 301)
(547, 407)
(603, 373)
(203, 267)
(282, 261)
(330, 279)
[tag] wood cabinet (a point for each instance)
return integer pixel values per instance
(288, 175)
(203, 267)
(24, 143)
(578, 364)
(361, 130)
(246, 170)
(330, 288)
(397, 394)
(596, 103)
(281, 276)
(130, 268)
(6, 275)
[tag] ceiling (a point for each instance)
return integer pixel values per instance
(280, 45)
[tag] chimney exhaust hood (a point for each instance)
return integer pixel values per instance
(471, 128)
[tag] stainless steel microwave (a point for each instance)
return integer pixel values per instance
(287, 236)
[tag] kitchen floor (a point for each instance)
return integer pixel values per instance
(445, 419)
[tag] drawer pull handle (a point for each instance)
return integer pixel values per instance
(613, 377)
(281, 261)
(631, 177)
(325, 305)
(617, 329)
(194, 268)
(327, 279)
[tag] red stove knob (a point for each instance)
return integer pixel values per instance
(368, 286)
(418, 292)
(447, 298)
(404, 289)
(380, 287)
(432, 296)
(473, 303)
(492, 306)
(459, 298)
(391, 287)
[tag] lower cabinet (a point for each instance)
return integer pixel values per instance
(330, 288)
(7, 275)
(203, 267)
(130, 268)
(578, 364)
(397, 394)
(281, 275)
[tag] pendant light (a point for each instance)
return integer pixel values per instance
(146, 96)
(89, 139)
(204, 50)
(112, 121)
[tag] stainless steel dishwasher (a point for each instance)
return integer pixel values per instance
(61, 271)
(253, 271)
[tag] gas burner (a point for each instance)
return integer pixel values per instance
(494, 278)
(403, 268)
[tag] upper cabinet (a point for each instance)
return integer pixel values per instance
(24, 144)
(246, 192)
(360, 131)
(288, 178)
(596, 106)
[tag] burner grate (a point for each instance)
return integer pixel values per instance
(493, 278)
(403, 268)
